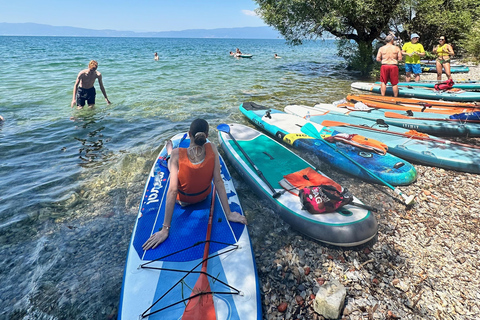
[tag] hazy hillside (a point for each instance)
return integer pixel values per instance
(34, 29)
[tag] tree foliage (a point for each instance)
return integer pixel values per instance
(453, 19)
(471, 44)
(358, 23)
(362, 21)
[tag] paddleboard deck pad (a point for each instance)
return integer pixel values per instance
(158, 283)
(348, 226)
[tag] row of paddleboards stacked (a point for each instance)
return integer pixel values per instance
(460, 91)
(206, 266)
(186, 278)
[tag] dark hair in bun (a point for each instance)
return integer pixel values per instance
(199, 131)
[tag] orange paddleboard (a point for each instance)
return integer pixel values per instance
(416, 105)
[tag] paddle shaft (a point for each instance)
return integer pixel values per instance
(260, 174)
(314, 133)
(209, 231)
(413, 101)
(195, 308)
(329, 123)
(401, 116)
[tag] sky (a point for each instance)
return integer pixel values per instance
(134, 15)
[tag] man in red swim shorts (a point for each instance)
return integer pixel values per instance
(389, 55)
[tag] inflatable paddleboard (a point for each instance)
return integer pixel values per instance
(424, 93)
(457, 85)
(348, 226)
(158, 283)
(412, 104)
(431, 123)
(431, 68)
(288, 129)
(429, 150)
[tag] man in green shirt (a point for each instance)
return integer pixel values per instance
(413, 51)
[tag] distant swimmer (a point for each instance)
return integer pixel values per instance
(84, 89)
(238, 51)
(155, 56)
(276, 56)
(2, 118)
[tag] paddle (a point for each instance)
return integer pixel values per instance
(401, 116)
(201, 305)
(413, 101)
(226, 128)
(329, 123)
(310, 130)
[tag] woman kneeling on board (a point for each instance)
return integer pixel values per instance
(191, 173)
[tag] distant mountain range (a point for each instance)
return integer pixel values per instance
(35, 29)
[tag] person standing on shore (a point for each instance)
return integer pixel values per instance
(389, 55)
(413, 51)
(84, 89)
(444, 52)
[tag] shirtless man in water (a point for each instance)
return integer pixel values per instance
(389, 55)
(84, 89)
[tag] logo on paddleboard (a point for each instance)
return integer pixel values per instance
(157, 185)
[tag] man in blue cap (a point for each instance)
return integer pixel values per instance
(413, 51)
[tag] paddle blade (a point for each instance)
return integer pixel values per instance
(202, 306)
(396, 115)
(329, 123)
(310, 130)
(223, 127)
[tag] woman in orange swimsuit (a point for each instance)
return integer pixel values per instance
(444, 52)
(191, 172)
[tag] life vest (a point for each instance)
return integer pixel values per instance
(317, 193)
(195, 180)
(360, 142)
(444, 85)
(307, 177)
(416, 133)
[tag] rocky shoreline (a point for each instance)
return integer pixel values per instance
(425, 263)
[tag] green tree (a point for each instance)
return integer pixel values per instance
(360, 21)
(471, 43)
(453, 19)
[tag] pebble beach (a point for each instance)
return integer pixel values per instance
(425, 263)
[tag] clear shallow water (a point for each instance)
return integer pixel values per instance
(71, 180)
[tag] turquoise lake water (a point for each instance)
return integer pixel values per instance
(71, 180)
